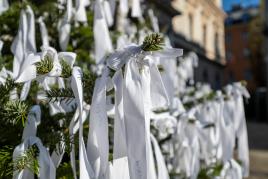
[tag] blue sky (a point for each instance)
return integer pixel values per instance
(227, 4)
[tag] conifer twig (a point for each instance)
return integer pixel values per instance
(56, 94)
(44, 66)
(66, 69)
(14, 111)
(27, 160)
(153, 42)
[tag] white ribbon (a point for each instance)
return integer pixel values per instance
(44, 33)
(46, 166)
(162, 172)
(81, 14)
(24, 42)
(101, 33)
(3, 6)
(154, 20)
(64, 26)
(76, 83)
(98, 144)
(136, 8)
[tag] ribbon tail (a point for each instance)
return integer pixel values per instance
(98, 143)
(135, 121)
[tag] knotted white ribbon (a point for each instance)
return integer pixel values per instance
(46, 166)
(140, 95)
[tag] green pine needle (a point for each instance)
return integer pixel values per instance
(6, 88)
(45, 66)
(27, 160)
(56, 94)
(66, 69)
(14, 111)
(5, 162)
(153, 42)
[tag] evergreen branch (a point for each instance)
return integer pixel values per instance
(65, 171)
(44, 66)
(66, 69)
(27, 160)
(5, 162)
(61, 94)
(153, 42)
(14, 111)
(6, 88)
(88, 80)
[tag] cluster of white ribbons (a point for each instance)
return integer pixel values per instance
(47, 163)
(136, 94)
(206, 135)
(78, 13)
(202, 135)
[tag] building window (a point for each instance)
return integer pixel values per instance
(217, 81)
(229, 56)
(205, 75)
(231, 77)
(246, 53)
(228, 38)
(205, 35)
(217, 48)
(191, 29)
(245, 36)
(248, 74)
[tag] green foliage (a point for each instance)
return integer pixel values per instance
(153, 42)
(5, 162)
(66, 69)
(44, 66)
(65, 171)
(6, 88)
(210, 172)
(88, 80)
(14, 112)
(60, 94)
(28, 160)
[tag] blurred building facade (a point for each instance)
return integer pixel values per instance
(200, 28)
(240, 55)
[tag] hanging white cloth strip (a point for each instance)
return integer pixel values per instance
(101, 33)
(98, 144)
(24, 42)
(81, 14)
(4, 5)
(64, 26)
(140, 95)
(240, 126)
(162, 172)
(136, 8)
(107, 10)
(44, 33)
(85, 169)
